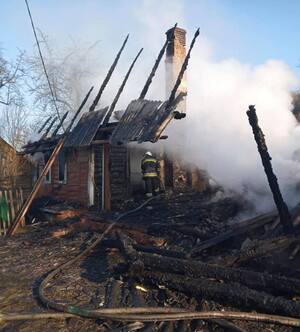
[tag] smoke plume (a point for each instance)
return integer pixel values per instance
(219, 137)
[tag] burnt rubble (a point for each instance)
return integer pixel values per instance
(153, 257)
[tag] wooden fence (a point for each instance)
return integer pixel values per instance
(11, 201)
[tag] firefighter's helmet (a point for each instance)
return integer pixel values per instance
(148, 153)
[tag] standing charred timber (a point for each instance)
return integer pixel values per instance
(156, 64)
(106, 177)
(12, 230)
(284, 214)
(49, 128)
(44, 125)
(108, 76)
(60, 124)
(113, 105)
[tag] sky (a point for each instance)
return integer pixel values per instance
(249, 31)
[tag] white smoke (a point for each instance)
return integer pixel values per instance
(219, 137)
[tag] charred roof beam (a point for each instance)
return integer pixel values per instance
(113, 105)
(60, 124)
(108, 76)
(156, 64)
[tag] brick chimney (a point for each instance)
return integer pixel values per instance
(176, 173)
(175, 55)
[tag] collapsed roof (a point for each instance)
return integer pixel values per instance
(143, 120)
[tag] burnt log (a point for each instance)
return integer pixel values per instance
(232, 294)
(113, 293)
(195, 270)
(284, 214)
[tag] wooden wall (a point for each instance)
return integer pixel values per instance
(98, 160)
(16, 171)
(119, 175)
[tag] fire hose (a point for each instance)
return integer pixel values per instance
(137, 314)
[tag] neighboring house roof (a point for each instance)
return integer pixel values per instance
(86, 128)
(144, 121)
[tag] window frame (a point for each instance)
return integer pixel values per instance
(48, 176)
(65, 172)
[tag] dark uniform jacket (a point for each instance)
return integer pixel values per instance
(150, 167)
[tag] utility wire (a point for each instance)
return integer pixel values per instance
(42, 60)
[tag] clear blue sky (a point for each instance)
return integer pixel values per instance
(250, 31)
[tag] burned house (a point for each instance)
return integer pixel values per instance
(98, 164)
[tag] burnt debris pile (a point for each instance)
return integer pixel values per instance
(188, 251)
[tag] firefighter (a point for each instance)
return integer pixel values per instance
(150, 170)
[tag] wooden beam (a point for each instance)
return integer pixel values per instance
(106, 178)
(107, 78)
(156, 64)
(114, 103)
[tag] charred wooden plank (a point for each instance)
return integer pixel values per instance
(113, 104)
(107, 77)
(156, 64)
(241, 228)
(257, 250)
(60, 124)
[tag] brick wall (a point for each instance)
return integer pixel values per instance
(76, 186)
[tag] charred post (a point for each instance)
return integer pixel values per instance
(44, 125)
(60, 124)
(49, 127)
(108, 76)
(284, 214)
(156, 64)
(113, 105)
(79, 110)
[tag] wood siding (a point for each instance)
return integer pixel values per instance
(119, 174)
(98, 160)
(16, 171)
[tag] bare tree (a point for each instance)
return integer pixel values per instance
(67, 70)
(14, 124)
(13, 115)
(11, 74)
